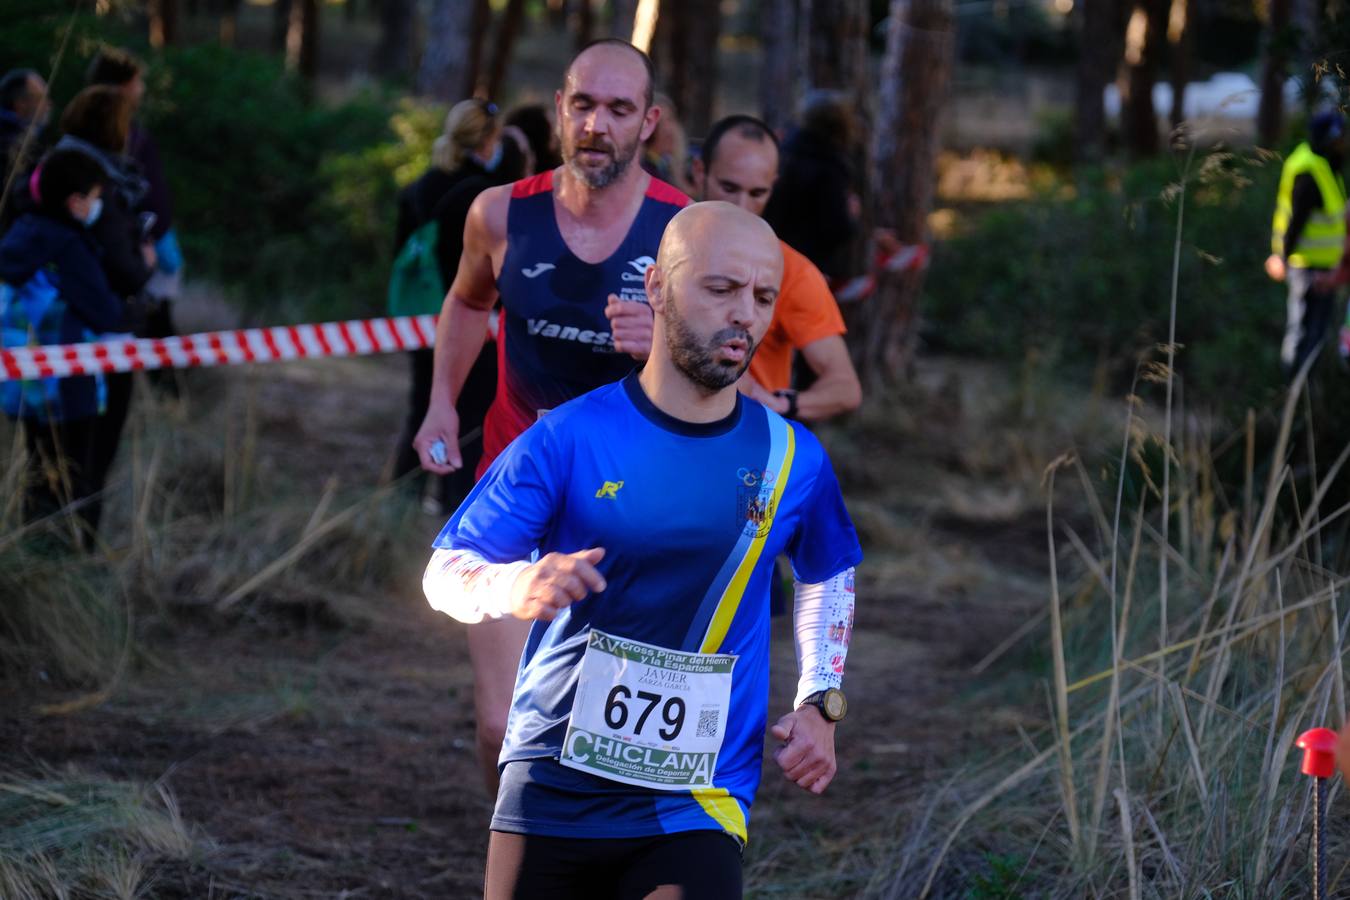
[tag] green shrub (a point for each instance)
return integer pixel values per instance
(285, 201)
(1084, 275)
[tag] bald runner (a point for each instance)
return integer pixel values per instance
(657, 505)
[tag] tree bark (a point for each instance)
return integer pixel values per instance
(1098, 52)
(1143, 47)
(687, 35)
(281, 22)
(450, 61)
(393, 54)
(622, 15)
(302, 39)
(834, 41)
(163, 23)
(913, 87)
(229, 22)
(508, 29)
(556, 12)
(778, 40)
(835, 47)
(585, 23)
(1279, 41)
(645, 20)
(1179, 50)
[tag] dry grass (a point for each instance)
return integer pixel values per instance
(1203, 635)
(66, 835)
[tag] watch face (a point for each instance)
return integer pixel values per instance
(835, 704)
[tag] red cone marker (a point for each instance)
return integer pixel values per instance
(1319, 761)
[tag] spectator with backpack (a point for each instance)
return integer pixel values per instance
(53, 291)
(97, 123)
(469, 149)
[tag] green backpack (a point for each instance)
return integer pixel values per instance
(415, 286)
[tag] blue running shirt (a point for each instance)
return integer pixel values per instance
(691, 517)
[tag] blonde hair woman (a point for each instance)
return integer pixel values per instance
(470, 150)
(471, 129)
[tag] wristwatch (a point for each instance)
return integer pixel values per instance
(791, 396)
(831, 704)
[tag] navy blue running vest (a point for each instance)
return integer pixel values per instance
(554, 342)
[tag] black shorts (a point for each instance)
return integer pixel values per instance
(701, 864)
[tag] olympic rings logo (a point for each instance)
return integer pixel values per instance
(754, 477)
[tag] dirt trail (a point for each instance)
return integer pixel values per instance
(339, 762)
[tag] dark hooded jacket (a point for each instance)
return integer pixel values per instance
(38, 241)
(118, 231)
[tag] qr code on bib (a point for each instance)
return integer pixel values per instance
(707, 723)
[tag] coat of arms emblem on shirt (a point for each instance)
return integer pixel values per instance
(755, 505)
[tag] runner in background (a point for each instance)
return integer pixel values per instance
(638, 722)
(739, 164)
(565, 251)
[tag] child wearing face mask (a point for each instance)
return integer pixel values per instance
(53, 290)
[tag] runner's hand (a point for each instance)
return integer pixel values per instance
(631, 324)
(441, 424)
(1275, 267)
(555, 582)
(807, 754)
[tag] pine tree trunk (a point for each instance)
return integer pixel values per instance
(1143, 47)
(281, 23)
(393, 54)
(1278, 39)
(778, 41)
(646, 19)
(585, 23)
(914, 81)
(687, 35)
(622, 14)
(508, 29)
(229, 22)
(1098, 51)
(449, 65)
(834, 41)
(1179, 49)
(302, 39)
(163, 23)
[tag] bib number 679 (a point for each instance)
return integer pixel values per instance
(617, 711)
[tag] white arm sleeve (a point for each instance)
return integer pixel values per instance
(464, 586)
(823, 621)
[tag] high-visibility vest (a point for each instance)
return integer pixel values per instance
(1323, 237)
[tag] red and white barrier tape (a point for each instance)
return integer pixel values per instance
(909, 257)
(356, 337)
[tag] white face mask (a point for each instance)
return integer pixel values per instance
(95, 210)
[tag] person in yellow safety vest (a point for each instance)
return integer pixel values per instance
(1308, 234)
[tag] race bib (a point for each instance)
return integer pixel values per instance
(648, 716)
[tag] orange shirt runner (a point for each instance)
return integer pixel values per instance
(806, 312)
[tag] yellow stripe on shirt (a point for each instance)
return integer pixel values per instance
(730, 600)
(724, 810)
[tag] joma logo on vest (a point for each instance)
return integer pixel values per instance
(544, 328)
